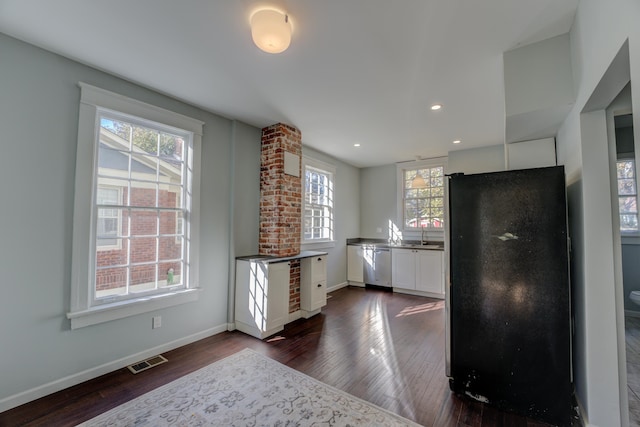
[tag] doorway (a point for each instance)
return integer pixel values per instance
(624, 192)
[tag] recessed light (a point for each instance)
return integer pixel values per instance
(356, 145)
(436, 107)
(457, 141)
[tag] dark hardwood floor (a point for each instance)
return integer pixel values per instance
(383, 347)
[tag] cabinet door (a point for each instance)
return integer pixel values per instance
(355, 265)
(403, 268)
(277, 295)
(430, 278)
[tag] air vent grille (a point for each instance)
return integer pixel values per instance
(143, 365)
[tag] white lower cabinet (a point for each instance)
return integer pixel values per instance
(355, 265)
(262, 297)
(313, 284)
(418, 271)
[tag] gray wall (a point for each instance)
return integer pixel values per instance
(378, 204)
(477, 160)
(39, 100)
(346, 214)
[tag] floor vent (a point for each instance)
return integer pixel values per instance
(146, 364)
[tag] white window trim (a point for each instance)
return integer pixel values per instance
(330, 169)
(411, 233)
(82, 313)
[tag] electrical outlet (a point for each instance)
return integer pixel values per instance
(157, 322)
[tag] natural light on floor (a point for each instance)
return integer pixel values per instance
(422, 308)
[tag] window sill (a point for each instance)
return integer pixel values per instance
(107, 312)
(310, 246)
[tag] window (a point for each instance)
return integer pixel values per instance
(318, 201)
(108, 222)
(423, 196)
(134, 248)
(627, 195)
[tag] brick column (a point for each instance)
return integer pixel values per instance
(281, 201)
(280, 194)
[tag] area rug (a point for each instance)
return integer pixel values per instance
(247, 389)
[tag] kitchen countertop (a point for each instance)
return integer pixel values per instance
(405, 244)
(272, 258)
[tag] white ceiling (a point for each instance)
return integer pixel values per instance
(357, 71)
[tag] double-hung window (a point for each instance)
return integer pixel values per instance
(318, 201)
(136, 208)
(422, 193)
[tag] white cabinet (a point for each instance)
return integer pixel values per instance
(418, 271)
(313, 284)
(262, 297)
(403, 268)
(430, 277)
(355, 265)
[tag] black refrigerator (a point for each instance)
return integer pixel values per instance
(509, 302)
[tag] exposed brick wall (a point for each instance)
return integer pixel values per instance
(280, 194)
(294, 286)
(281, 201)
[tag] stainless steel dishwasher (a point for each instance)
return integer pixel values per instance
(377, 266)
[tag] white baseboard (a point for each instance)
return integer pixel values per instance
(338, 286)
(74, 379)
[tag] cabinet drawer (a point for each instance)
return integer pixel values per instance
(318, 266)
(313, 296)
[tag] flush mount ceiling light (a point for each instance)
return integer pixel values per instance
(271, 30)
(457, 141)
(436, 107)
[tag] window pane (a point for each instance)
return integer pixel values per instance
(169, 274)
(625, 168)
(169, 196)
(170, 248)
(628, 204)
(142, 277)
(144, 222)
(171, 148)
(143, 249)
(629, 222)
(111, 281)
(171, 222)
(145, 140)
(626, 186)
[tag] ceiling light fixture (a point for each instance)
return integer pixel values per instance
(356, 145)
(457, 141)
(271, 30)
(436, 107)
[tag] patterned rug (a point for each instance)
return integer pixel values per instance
(247, 389)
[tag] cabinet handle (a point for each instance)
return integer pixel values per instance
(319, 259)
(319, 285)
